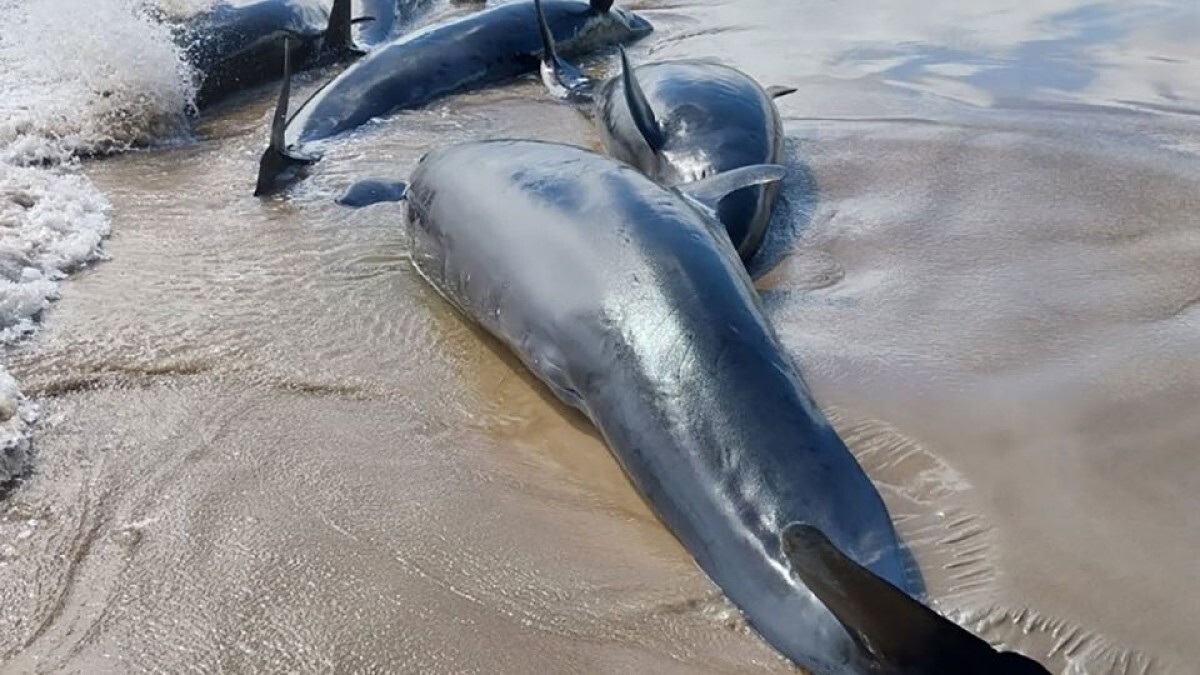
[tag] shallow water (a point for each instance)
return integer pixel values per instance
(265, 444)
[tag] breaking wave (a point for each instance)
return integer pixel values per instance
(77, 78)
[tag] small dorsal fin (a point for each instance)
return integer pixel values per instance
(778, 90)
(373, 191)
(900, 633)
(564, 80)
(639, 107)
(602, 5)
(710, 191)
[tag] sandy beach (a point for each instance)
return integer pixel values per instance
(266, 445)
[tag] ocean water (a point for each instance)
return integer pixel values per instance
(70, 88)
(253, 440)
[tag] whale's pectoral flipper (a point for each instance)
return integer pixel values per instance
(777, 90)
(708, 192)
(899, 632)
(278, 162)
(564, 80)
(373, 191)
(639, 107)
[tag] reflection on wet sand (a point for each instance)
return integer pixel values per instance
(268, 446)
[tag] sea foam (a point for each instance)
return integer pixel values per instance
(77, 78)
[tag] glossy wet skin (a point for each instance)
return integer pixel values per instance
(714, 119)
(386, 15)
(659, 338)
(237, 46)
(490, 46)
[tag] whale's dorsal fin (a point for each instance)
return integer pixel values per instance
(373, 191)
(601, 6)
(709, 192)
(278, 160)
(902, 634)
(778, 90)
(564, 80)
(639, 107)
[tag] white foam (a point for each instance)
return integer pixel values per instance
(52, 222)
(86, 77)
(16, 414)
(77, 77)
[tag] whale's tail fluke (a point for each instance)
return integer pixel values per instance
(280, 163)
(339, 39)
(901, 634)
(564, 80)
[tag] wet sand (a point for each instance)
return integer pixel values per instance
(289, 454)
(267, 445)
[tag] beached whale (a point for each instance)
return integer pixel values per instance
(628, 301)
(682, 121)
(486, 47)
(234, 45)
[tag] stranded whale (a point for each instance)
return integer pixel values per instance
(482, 48)
(629, 302)
(233, 46)
(682, 121)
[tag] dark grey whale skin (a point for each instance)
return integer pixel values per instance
(713, 118)
(682, 122)
(489, 46)
(236, 45)
(388, 17)
(632, 305)
(483, 48)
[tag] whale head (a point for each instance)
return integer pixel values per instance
(581, 26)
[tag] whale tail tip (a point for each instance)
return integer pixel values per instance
(895, 630)
(339, 39)
(279, 163)
(563, 80)
(276, 169)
